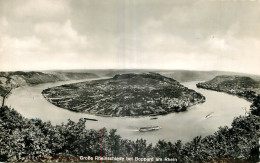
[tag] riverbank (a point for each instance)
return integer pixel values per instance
(240, 86)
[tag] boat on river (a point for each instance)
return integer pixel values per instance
(209, 115)
(151, 128)
(90, 119)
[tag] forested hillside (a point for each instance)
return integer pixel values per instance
(33, 140)
(15, 79)
(241, 86)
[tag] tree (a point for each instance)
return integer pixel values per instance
(255, 107)
(6, 95)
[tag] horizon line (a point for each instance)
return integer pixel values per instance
(153, 69)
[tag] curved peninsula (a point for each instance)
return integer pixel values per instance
(125, 95)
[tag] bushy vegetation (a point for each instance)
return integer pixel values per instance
(3, 91)
(24, 139)
(255, 107)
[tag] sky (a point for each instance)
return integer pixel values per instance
(130, 34)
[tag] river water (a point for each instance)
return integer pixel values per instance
(184, 126)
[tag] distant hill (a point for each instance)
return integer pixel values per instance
(234, 81)
(125, 95)
(179, 75)
(242, 86)
(74, 75)
(20, 78)
(186, 75)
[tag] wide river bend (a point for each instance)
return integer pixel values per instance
(184, 126)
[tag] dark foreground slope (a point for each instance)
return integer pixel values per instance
(32, 140)
(125, 95)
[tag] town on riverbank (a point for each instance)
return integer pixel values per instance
(125, 95)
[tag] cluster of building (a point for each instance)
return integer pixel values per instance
(123, 98)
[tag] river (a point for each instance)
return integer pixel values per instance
(184, 126)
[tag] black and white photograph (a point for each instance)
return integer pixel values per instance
(130, 81)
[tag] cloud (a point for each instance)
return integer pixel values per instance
(61, 37)
(38, 9)
(52, 44)
(3, 22)
(205, 35)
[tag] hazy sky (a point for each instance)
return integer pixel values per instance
(163, 34)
